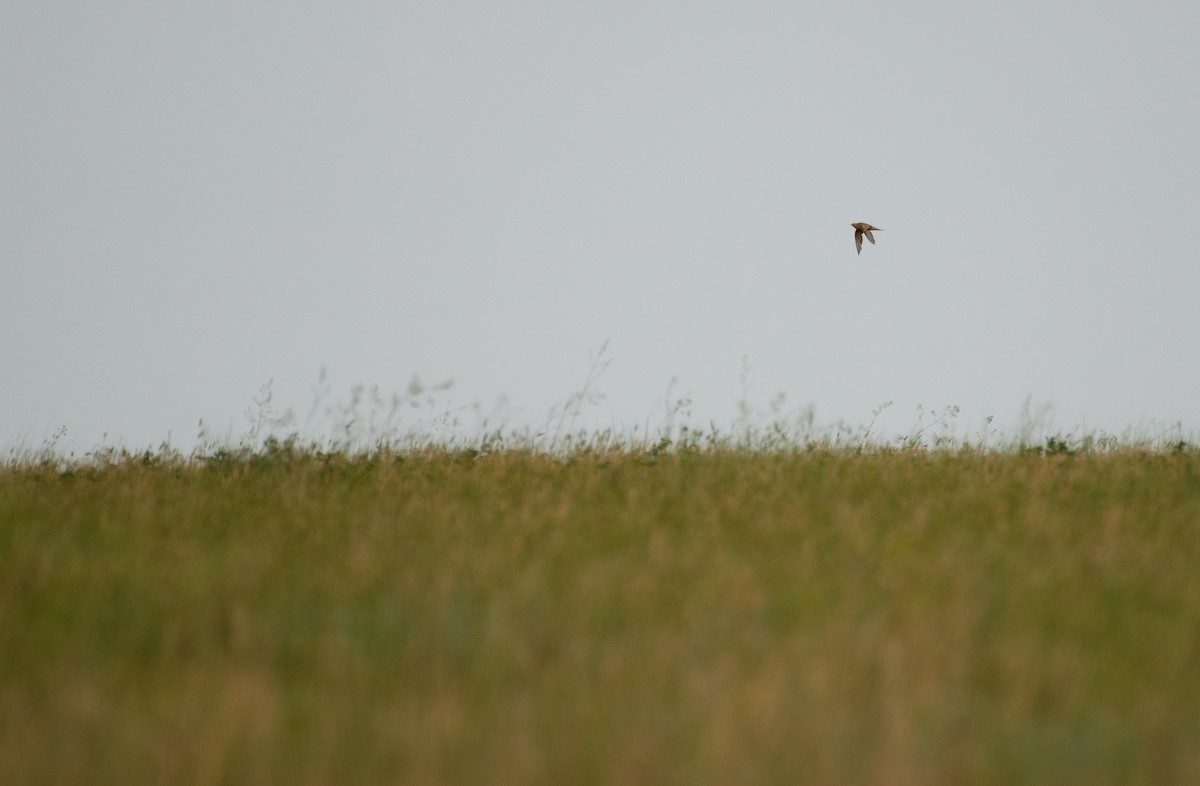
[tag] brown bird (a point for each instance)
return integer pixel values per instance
(860, 229)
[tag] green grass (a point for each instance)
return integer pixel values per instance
(706, 616)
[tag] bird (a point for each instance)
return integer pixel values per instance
(863, 228)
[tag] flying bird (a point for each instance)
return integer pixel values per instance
(863, 228)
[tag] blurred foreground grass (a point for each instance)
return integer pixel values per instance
(702, 617)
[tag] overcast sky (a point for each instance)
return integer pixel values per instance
(196, 199)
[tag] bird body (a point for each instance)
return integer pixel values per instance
(863, 228)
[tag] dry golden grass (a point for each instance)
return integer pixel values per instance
(716, 616)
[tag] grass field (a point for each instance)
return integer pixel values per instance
(710, 616)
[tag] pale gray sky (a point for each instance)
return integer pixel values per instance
(198, 198)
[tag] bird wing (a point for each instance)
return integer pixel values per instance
(870, 237)
(858, 233)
